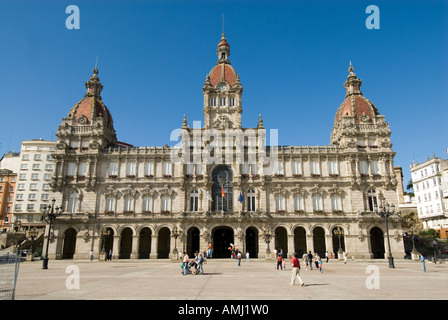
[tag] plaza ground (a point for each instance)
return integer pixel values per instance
(224, 280)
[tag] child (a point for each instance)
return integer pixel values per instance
(319, 262)
(284, 264)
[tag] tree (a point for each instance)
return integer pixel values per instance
(412, 224)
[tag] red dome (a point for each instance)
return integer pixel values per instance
(222, 72)
(358, 106)
(89, 108)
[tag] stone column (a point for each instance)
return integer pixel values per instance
(154, 242)
(135, 246)
(291, 249)
(116, 246)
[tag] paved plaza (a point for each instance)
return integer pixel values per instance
(224, 280)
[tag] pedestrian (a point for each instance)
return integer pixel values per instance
(295, 273)
(305, 260)
(110, 255)
(185, 261)
(344, 255)
(247, 257)
(239, 258)
(316, 258)
(279, 261)
(204, 257)
(319, 263)
(310, 260)
(422, 260)
(327, 256)
(195, 262)
(91, 255)
(200, 261)
(283, 264)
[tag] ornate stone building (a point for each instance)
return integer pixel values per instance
(221, 184)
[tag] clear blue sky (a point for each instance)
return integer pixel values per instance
(292, 58)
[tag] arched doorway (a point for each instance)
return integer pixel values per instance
(377, 243)
(252, 242)
(144, 243)
(192, 241)
(300, 241)
(338, 240)
(107, 241)
(319, 241)
(69, 243)
(281, 240)
(222, 238)
(125, 244)
(222, 177)
(163, 243)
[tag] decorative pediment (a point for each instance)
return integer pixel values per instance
(335, 190)
(316, 189)
(129, 191)
(148, 191)
(111, 192)
(166, 191)
(279, 190)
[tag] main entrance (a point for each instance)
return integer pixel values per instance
(222, 238)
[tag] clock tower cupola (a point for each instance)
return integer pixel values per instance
(222, 92)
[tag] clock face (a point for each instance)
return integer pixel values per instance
(222, 87)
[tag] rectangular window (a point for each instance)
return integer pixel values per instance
(317, 202)
(222, 102)
(37, 157)
(32, 196)
(30, 207)
(189, 169)
(296, 167)
(33, 186)
(298, 203)
(278, 167)
(245, 168)
(333, 168)
(23, 167)
(18, 207)
(47, 176)
(19, 196)
(48, 167)
(212, 102)
(131, 169)
(44, 196)
(128, 204)
(314, 167)
(82, 169)
(167, 169)
(34, 176)
(374, 168)
(279, 203)
(149, 169)
(147, 204)
(232, 102)
(26, 157)
(336, 203)
(22, 176)
(36, 166)
(71, 168)
(110, 204)
(21, 186)
(199, 169)
(363, 167)
(113, 168)
(166, 204)
(46, 187)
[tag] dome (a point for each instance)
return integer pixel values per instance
(222, 72)
(355, 104)
(91, 106)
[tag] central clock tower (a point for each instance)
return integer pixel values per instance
(222, 93)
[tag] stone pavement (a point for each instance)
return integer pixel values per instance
(224, 280)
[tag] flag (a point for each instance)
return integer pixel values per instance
(222, 189)
(240, 199)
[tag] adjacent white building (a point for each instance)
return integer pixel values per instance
(33, 182)
(427, 181)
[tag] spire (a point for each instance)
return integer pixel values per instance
(184, 123)
(94, 85)
(260, 122)
(352, 84)
(223, 50)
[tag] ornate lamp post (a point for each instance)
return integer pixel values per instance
(175, 235)
(339, 233)
(385, 211)
(16, 227)
(51, 212)
(267, 238)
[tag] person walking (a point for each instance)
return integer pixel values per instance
(295, 273)
(200, 261)
(327, 256)
(316, 258)
(344, 255)
(319, 263)
(247, 257)
(185, 261)
(91, 255)
(305, 260)
(284, 264)
(422, 260)
(239, 258)
(279, 261)
(310, 260)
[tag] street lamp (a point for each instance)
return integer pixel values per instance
(175, 235)
(385, 211)
(32, 233)
(339, 233)
(104, 234)
(51, 212)
(267, 238)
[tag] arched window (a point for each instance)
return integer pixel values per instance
(194, 201)
(222, 189)
(372, 199)
(251, 198)
(73, 202)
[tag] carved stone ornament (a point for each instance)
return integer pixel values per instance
(364, 117)
(61, 146)
(94, 145)
(223, 123)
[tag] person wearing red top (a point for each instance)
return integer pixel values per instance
(295, 270)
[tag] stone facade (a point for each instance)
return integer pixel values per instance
(221, 184)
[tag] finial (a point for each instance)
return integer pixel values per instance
(351, 69)
(260, 121)
(184, 122)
